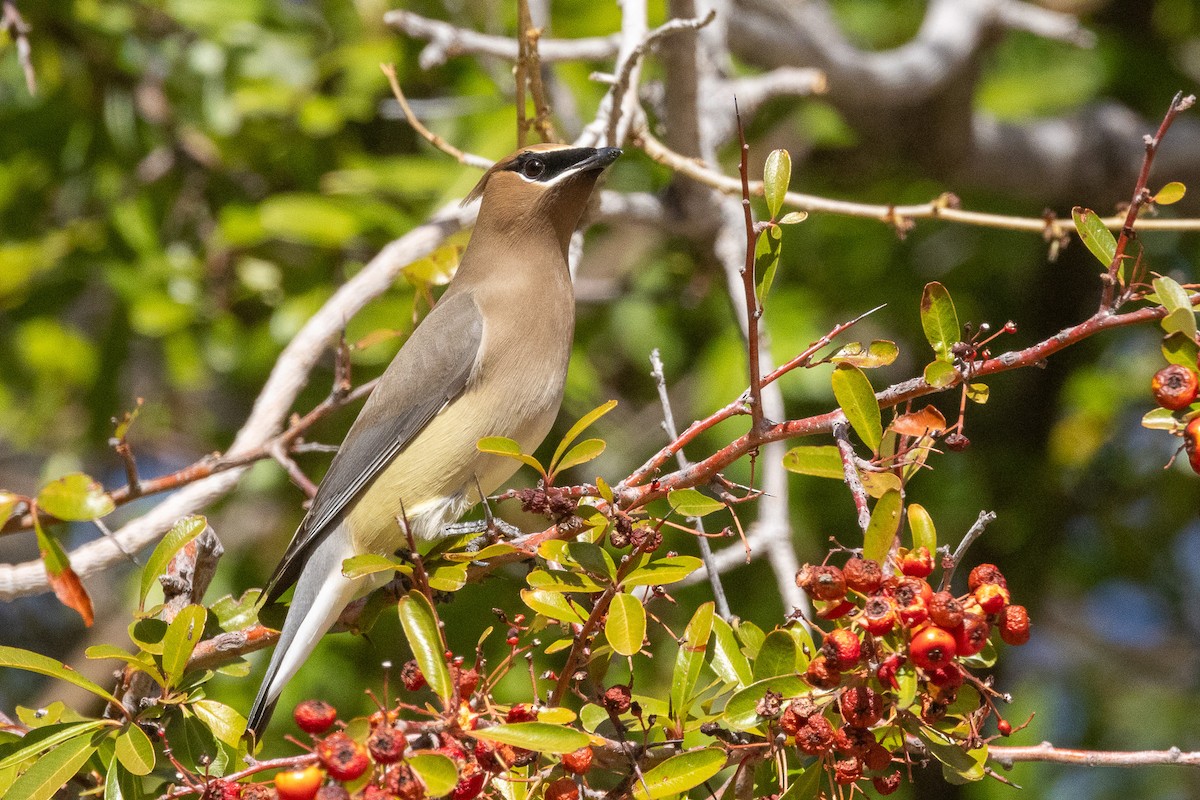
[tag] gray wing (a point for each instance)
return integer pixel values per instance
(431, 369)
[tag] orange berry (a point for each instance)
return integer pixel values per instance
(345, 758)
(1174, 387)
(917, 563)
(1014, 625)
(299, 784)
(932, 647)
(314, 716)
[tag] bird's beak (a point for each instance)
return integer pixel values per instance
(601, 159)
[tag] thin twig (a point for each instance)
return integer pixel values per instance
(706, 553)
(850, 472)
(985, 519)
(467, 159)
(1007, 756)
(753, 312)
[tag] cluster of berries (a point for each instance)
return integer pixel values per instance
(376, 768)
(1175, 388)
(889, 628)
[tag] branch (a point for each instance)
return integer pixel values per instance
(850, 472)
(985, 518)
(18, 30)
(1007, 756)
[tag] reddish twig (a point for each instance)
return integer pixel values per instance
(1141, 195)
(753, 311)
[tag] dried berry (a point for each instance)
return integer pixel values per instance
(344, 758)
(769, 705)
(562, 789)
(861, 706)
(877, 757)
(945, 610)
(842, 648)
(386, 744)
(402, 783)
(863, 575)
(796, 715)
(411, 677)
(886, 784)
(466, 680)
(335, 791)
(578, 762)
(617, 699)
(470, 781)
(847, 770)
(985, 573)
(821, 674)
(314, 716)
(299, 784)
(816, 736)
(1014, 625)
(917, 563)
(879, 615)
(932, 647)
(957, 442)
(972, 635)
(257, 791)
(822, 582)
(521, 712)
(1174, 387)
(851, 741)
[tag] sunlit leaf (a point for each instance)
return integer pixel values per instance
(818, 460)
(448, 577)
(669, 569)
(854, 395)
(553, 605)
(225, 723)
(424, 636)
(1181, 317)
(1160, 419)
(878, 353)
(52, 771)
(8, 506)
(33, 744)
(766, 260)
(777, 656)
(692, 503)
(1177, 348)
(1173, 192)
(978, 393)
(491, 551)
(1095, 235)
(503, 446)
(877, 484)
(436, 771)
(183, 635)
(182, 532)
(76, 497)
(135, 750)
(924, 534)
(881, 531)
(777, 174)
(541, 737)
(939, 320)
(593, 558)
(917, 423)
(370, 564)
(16, 658)
(625, 625)
(679, 774)
(690, 659)
(940, 374)
(806, 785)
(559, 580)
(67, 587)
(728, 660)
(581, 453)
(579, 427)
(792, 217)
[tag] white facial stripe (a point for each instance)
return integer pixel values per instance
(553, 181)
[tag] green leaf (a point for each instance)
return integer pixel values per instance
(503, 446)
(113, 773)
(141, 661)
(370, 564)
(436, 771)
(491, 551)
(669, 569)
(148, 633)
(579, 427)
(448, 577)
(553, 605)
(224, 722)
(625, 627)
(76, 498)
(1177, 348)
(1095, 235)
(1160, 419)
(16, 658)
(184, 531)
(854, 395)
(939, 320)
(52, 771)
(593, 558)
(1173, 192)
(690, 659)
(559, 580)
(978, 393)
(692, 503)
(792, 217)
(183, 635)
(921, 524)
(541, 737)
(40, 740)
(680, 773)
(878, 353)
(777, 174)
(728, 660)
(8, 505)
(766, 260)
(135, 750)
(806, 785)
(881, 531)
(740, 711)
(940, 374)
(1180, 317)
(424, 637)
(606, 492)
(581, 453)
(750, 635)
(805, 649)
(777, 656)
(821, 461)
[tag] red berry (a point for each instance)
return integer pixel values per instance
(299, 784)
(411, 676)
(985, 573)
(562, 789)
(333, 791)
(1191, 443)
(835, 609)
(847, 770)
(992, 597)
(314, 716)
(618, 699)
(863, 575)
(932, 647)
(1014, 625)
(344, 758)
(821, 674)
(386, 744)
(578, 762)
(1174, 387)
(945, 611)
(887, 670)
(972, 635)
(917, 563)
(879, 615)
(1005, 727)
(861, 706)
(886, 784)
(842, 648)
(796, 715)
(521, 712)
(467, 680)
(470, 781)
(949, 676)
(877, 757)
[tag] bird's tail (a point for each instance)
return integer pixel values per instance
(322, 593)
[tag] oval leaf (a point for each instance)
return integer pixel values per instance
(878, 353)
(666, 570)
(503, 446)
(579, 427)
(224, 722)
(370, 564)
(1173, 192)
(1160, 419)
(881, 531)
(729, 662)
(541, 737)
(1174, 298)
(921, 524)
(777, 174)
(680, 773)
(690, 659)
(135, 751)
(424, 637)
(553, 605)
(183, 635)
(920, 422)
(1095, 235)
(625, 627)
(1180, 349)
(854, 395)
(792, 217)
(939, 320)
(581, 453)
(184, 531)
(436, 771)
(940, 374)
(448, 577)
(821, 461)
(560, 580)
(76, 497)
(766, 260)
(692, 503)
(777, 656)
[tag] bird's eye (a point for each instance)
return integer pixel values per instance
(533, 168)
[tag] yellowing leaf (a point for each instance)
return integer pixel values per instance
(821, 461)
(854, 395)
(691, 503)
(920, 422)
(1173, 192)
(424, 636)
(881, 531)
(1095, 235)
(625, 626)
(541, 737)
(939, 320)
(75, 497)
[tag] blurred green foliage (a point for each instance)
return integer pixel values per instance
(194, 179)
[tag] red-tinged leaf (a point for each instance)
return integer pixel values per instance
(424, 636)
(940, 374)
(939, 320)
(680, 773)
(1173, 192)
(881, 531)
(853, 392)
(76, 498)
(818, 460)
(1095, 235)
(920, 422)
(66, 584)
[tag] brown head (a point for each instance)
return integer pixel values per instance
(538, 186)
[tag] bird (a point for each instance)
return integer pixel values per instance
(489, 359)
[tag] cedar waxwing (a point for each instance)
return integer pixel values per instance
(490, 359)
